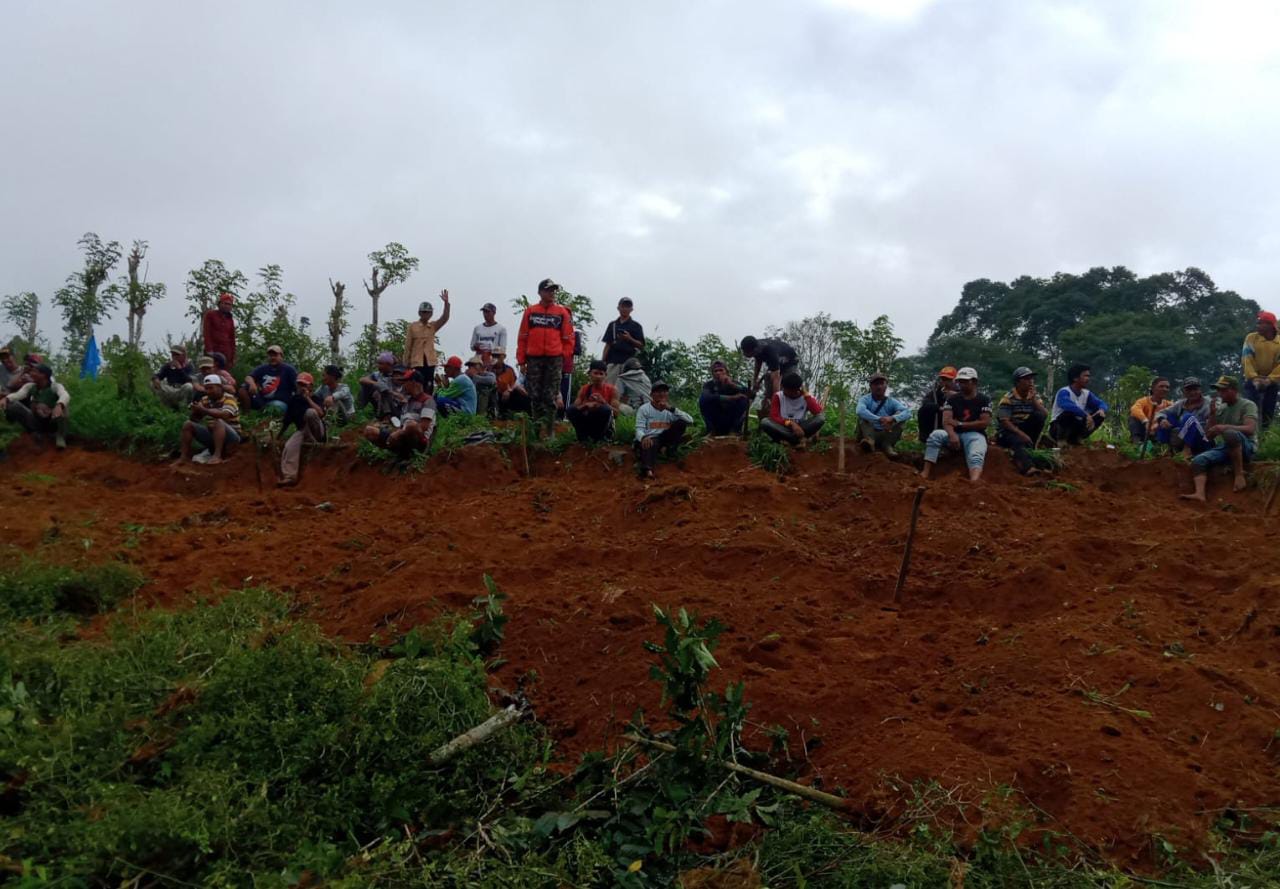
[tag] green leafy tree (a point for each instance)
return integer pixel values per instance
(204, 285)
(83, 301)
(579, 305)
(391, 265)
(266, 307)
(136, 293)
(23, 311)
(389, 339)
(862, 351)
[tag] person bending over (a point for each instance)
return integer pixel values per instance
(880, 417)
(775, 356)
(592, 412)
(965, 418)
(1234, 429)
(723, 402)
(1021, 415)
(795, 416)
(659, 427)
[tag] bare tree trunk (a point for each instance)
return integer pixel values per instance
(336, 318)
(374, 290)
(374, 334)
(32, 327)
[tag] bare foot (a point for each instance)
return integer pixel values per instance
(213, 461)
(1241, 483)
(1197, 497)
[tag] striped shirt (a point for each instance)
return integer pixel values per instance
(228, 406)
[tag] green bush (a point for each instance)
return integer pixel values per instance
(33, 589)
(99, 414)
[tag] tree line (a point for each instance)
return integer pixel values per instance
(1175, 323)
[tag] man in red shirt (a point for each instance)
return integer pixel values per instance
(592, 412)
(220, 330)
(546, 335)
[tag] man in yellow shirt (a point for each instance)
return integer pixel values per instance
(1143, 415)
(1260, 359)
(420, 340)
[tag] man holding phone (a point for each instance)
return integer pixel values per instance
(592, 412)
(622, 339)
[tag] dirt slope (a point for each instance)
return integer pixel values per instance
(1022, 599)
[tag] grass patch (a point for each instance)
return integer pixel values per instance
(34, 589)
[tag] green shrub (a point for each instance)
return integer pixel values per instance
(99, 414)
(33, 589)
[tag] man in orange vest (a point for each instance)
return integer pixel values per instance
(546, 336)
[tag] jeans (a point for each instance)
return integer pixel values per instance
(974, 445)
(1265, 399)
(781, 433)
(1221, 454)
(1031, 426)
(591, 424)
(669, 439)
(446, 405)
(542, 378)
(722, 416)
(261, 402)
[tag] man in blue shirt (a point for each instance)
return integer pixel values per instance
(270, 386)
(460, 395)
(1077, 413)
(880, 417)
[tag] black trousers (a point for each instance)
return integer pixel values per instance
(667, 440)
(591, 424)
(1021, 450)
(1070, 428)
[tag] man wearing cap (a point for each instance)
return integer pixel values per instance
(486, 382)
(633, 386)
(40, 406)
(1183, 423)
(880, 417)
(174, 382)
(546, 336)
(1077, 413)
(723, 402)
(1144, 425)
(1020, 416)
(413, 429)
(214, 423)
(420, 340)
(378, 387)
(929, 416)
(512, 398)
(204, 367)
(795, 416)
(1260, 360)
(623, 339)
(459, 397)
(9, 368)
(775, 355)
(335, 396)
(305, 415)
(219, 329)
(269, 386)
(1234, 428)
(659, 427)
(965, 418)
(592, 412)
(490, 335)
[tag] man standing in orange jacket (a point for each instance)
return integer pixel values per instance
(546, 336)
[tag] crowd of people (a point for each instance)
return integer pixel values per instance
(406, 393)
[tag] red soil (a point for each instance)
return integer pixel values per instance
(1022, 597)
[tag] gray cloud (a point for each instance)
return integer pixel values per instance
(728, 165)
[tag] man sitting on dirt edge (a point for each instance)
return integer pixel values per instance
(1021, 415)
(1077, 412)
(723, 403)
(592, 412)
(1183, 423)
(269, 386)
(795, 416)
(40, 406)
(215, 423)
(880, 417)
(306, 414)
(965, 418)
(659, 426)
(412, 429)
(174, 382)
(1236, 423)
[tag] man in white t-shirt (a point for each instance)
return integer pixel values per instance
(490, 335)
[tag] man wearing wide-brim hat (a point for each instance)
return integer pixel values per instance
(1234, 429)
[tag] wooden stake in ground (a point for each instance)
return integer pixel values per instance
(478, 735)
(524, 445)
(840, 456)
(906, 553)
(800, 790)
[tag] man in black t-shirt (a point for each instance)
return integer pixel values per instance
(723, 403)
(965, 418)
(622, 339)
(778, 357)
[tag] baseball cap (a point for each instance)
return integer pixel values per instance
(966, 373)
(475, 359)
(659, 387)
(275, 349)
(547, 284)
(425, 306)
(1023, 372)
(212, 380)
(876, 377)
(333, 370)
(454, 361)
(306, 378)
(226, 298)
(386, 358)
(488, 307)
(1269, 317)
(1191, 383)
(719, 365)
(206, 361)
(177, 350)
(625, 301)
(1226, 382)
(949, 372)
(410, 375)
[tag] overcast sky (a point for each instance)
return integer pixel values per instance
(728, 165)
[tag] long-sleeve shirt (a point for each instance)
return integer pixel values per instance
(651, 421)
(486, 338)
(1146, 408)
(420, 343)
(545, 332)
(1176, 412)
(175, 376)
(1260, 357)
(29, 390)
(783, 408)
(220, 334)
(1082, 403)
(871, 410)
(462, 388)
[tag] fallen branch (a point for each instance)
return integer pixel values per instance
(827, 799)
(906, 553)
(484, 731)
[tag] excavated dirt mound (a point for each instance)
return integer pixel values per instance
(1039, 620)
